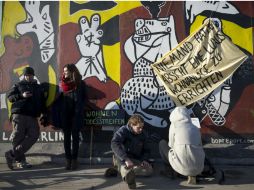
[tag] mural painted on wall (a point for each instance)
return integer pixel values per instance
(29, 39)
(113, 45)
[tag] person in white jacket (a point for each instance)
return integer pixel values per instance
(184, 151)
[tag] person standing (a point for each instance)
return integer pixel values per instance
(184, 151)
(72, 116)
(130, 148)
(28, 103)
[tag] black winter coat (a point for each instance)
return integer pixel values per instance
(32, 106)
(126, 144)
(72, 107)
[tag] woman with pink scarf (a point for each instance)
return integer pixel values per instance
(72, 106)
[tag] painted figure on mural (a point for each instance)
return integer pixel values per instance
(91, 63)
(131, 151)
(33, 39)
(151, 40)
(73, 99)
(28, 103)
(16, 53)
(39, 21)
(184, 152)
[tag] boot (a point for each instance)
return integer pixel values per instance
(111, 172)
(68, 164)
(74, 164)
(219, 176)
(130, 179)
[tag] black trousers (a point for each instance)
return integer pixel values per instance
(71, 142)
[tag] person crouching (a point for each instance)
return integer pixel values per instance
(130, 147)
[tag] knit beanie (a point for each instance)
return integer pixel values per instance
(28, 71)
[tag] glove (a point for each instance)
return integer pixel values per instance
(44, 120)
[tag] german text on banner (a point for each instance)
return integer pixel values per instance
(198, 65)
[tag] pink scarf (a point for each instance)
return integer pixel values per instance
(67, 85)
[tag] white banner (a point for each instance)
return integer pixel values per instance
(198, 65)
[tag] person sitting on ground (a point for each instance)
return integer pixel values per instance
(130, 148)
(184, 151)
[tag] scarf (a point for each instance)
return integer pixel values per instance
(67, 85)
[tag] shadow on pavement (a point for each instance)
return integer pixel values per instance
(54, 176)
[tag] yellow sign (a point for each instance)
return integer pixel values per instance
(198, 65)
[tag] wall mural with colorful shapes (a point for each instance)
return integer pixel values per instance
(113, 44)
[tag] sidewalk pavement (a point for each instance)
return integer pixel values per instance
(50, 175)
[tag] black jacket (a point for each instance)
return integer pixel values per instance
(72, 107)
(32, 106)
(126, 144)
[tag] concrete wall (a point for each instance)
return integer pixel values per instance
(113, 45)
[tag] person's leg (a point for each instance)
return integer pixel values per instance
(67, 146)
(31, 136)
(75, 147)
(127, 175)
(25, 134)
(18, 135)
(164, 150)
(210, 171)
(140, 170)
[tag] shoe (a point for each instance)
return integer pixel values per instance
(9, 159)
(111, 172)
(130, 179)
(219, 176)
(192, 180)
(23, 165)
(74, 164)
(68, 164)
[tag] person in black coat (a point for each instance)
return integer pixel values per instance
(72, 117)
(28, 100)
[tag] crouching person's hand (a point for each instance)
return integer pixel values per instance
(129, 164)
(145, 164)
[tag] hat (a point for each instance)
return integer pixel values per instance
(28, 71)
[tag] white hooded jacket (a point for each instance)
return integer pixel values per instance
(186, 155)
